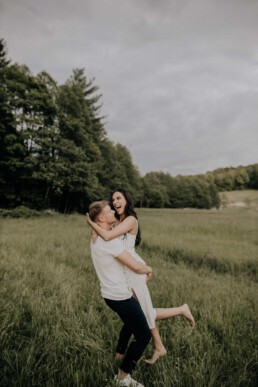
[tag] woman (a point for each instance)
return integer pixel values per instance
(127, 227)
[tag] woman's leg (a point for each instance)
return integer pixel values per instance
(162, 313)
(160, 350)
(158, 344)
(150, 313)
(182, 310)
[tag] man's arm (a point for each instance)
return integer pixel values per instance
(140, 268)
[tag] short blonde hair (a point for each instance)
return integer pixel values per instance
(96, 208)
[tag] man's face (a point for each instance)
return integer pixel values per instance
(108, 215)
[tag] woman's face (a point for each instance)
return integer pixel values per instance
(119, 203)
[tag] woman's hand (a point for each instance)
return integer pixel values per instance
(94, 236)
(88, 219)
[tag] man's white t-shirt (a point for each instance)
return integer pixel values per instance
(110, 271)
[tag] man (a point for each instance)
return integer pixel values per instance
(108, 258)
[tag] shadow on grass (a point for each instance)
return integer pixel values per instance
(197, 261)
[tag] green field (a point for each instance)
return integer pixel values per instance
(242, 198)
(56, 330)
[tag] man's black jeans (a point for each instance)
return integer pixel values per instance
(135, 324)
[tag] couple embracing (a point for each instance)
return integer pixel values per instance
(123, 277)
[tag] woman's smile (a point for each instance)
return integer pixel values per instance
(118, 202)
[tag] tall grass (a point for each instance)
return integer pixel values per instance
(55, 330)
(226, 241)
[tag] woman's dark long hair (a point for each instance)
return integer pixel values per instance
(129, 210)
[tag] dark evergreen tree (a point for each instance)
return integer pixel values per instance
(34, 113)
(11, 145)
(78, 153)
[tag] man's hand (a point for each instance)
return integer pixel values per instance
(148, 276)
(140, 268)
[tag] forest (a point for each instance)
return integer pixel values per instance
(55, 152)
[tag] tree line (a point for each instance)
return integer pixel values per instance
(198, 191)
(55, 151)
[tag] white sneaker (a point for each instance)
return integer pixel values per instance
(128, 381)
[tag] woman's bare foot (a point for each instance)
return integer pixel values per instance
(187, 314)
(156, 355)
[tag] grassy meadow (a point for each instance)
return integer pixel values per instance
(55, 330)
(241, 198)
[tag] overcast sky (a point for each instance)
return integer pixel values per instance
(179, 78)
